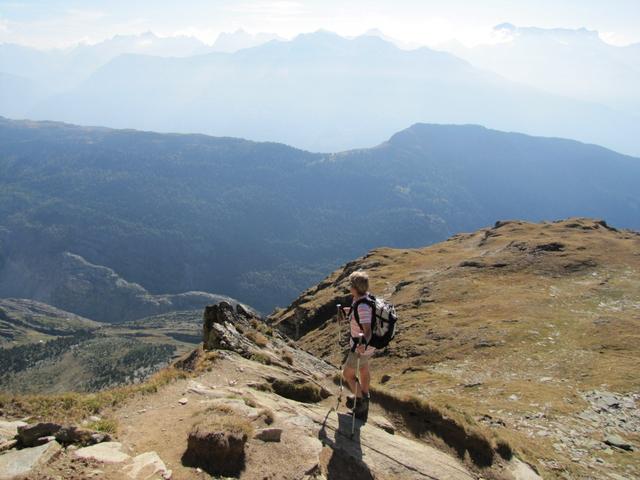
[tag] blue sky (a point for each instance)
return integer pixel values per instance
(51, 23)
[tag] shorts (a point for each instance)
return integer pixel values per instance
(352, 358)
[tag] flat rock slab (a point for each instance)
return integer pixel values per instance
(17, 463)
(107, 452)
(381, 454)
(8, 430)
(147, 466)
(522, 471)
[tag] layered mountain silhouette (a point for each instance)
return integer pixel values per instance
(349, 93)
(574, 63)
(262, 221)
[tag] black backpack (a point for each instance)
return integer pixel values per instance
(383, 320)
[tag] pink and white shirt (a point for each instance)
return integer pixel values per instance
(364, 314)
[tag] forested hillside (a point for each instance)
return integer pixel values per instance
(262, 221)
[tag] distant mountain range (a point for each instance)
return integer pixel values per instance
(574, 63)
(28, 75)
(82, 209)
(348, 93)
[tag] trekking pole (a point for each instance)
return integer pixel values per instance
(338, 317)
(355, 399)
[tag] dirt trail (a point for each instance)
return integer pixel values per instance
(311, 432)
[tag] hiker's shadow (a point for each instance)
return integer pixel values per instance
(346, 460)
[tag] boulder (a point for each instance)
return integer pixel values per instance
(147, 465)
(107, 452)
(215, 450)
(31, 435)
(19, 463)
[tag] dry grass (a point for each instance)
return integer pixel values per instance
(298, 389)
(73, 406)
(287, 358)
(224, 422)
(452, 429)
(267, 415)
(257, 338)
(516, 338)
(106, 425)
(260, 358)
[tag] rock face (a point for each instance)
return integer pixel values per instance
(17, 463)
(220, 329)
(216, 452)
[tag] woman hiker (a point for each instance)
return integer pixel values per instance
(360, 324)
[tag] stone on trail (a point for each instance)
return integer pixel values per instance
(618, 442)
(183, 401)
(18, 463)
(146, 466)
(269, 434)
(107, 452)
(522, 471)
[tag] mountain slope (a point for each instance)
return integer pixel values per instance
(347, 93)
(70, 282)
(47, 350)
(261, 221)
(247, 379)
(531, 328)
(25, 321)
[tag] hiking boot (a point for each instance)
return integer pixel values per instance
(361, 410)
(350, 400)
(361, 407)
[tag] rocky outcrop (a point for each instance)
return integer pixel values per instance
(220, 329)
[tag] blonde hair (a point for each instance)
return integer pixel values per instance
(360, 281)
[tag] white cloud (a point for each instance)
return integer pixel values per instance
(616, 39)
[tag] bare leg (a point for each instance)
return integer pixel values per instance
(365, 378)
(349, 374)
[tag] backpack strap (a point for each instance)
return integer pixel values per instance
(369, 300)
